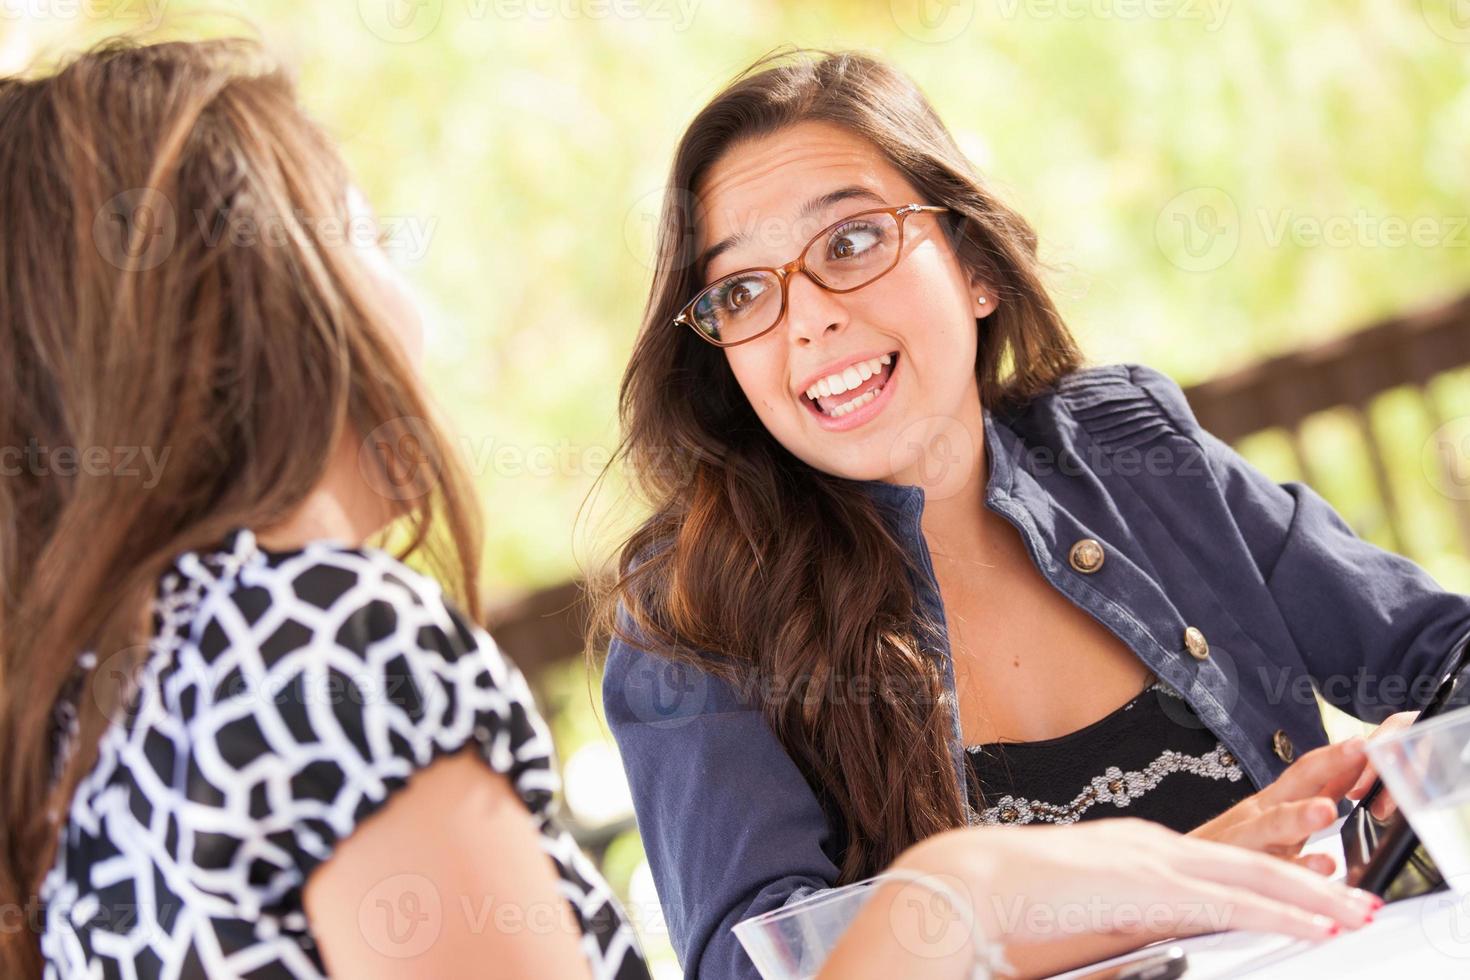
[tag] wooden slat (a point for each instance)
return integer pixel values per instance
(1403, 350)
(1444, 459)
(1387, 500)
(541, 629)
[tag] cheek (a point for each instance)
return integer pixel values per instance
(762, 377)
(926, 307)
(397, 301)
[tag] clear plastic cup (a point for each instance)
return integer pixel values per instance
(792, 942)
(1426, 768)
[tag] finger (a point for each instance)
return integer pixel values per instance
(1364, 784)
(1322, 864)
(1383, 807)
(1289, 851)
(1395, 723)
(1218, 908)
(1281, 881)
(1285, 827)
(1327, 771)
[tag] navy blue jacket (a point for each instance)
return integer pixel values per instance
(1289, 600)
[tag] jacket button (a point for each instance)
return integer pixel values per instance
(1195, 643)
(1086, 556)
(1281, 743)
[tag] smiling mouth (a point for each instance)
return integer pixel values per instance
(849, 390)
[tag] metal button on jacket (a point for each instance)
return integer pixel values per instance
(1281, 743)
(1195, 643)
(1086, 556)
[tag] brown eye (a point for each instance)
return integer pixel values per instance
(852, 240)
(738, 295)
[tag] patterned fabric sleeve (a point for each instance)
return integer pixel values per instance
(334, 675)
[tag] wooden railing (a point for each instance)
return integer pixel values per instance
(1345, 376)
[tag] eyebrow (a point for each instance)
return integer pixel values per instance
(811, 207)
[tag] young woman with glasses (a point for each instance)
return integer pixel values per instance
(925, 571)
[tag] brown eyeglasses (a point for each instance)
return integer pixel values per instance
(856, 250)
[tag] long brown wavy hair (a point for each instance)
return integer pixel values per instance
(765, 571)
(128, 321)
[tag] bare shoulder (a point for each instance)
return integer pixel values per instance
(448, 877)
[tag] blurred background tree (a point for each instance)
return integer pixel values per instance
(1213, 183)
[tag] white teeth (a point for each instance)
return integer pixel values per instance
(849, 378)
(856, 403)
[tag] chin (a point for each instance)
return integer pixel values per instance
(863, 468)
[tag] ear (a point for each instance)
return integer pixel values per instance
(982, 298)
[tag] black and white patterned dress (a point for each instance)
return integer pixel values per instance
(285, 697)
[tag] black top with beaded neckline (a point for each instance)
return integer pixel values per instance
(1111, 768)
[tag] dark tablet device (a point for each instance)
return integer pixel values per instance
(1384, 856)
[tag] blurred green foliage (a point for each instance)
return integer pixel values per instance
(527, 142)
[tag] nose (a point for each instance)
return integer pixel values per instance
(811, 311)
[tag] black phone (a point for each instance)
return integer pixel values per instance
(1169, 963)
(1383, 854)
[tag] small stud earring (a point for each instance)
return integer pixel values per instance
(982, 300)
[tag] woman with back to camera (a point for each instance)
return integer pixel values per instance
(239, 741)
(925, 568)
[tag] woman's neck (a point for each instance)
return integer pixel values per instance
(953, 469)
(342, 507)
(958, 523)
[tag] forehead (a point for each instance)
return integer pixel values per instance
(766, 180)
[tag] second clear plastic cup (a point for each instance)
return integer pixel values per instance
(792, 943)
(1426, 768)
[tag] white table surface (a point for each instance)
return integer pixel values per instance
(1423, 938)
